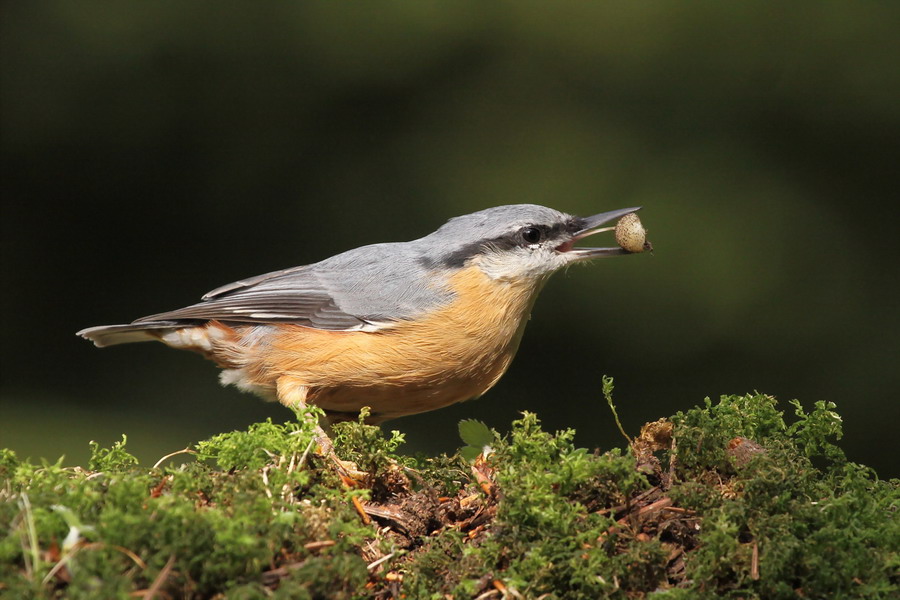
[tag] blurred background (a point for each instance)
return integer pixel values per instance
(154, 151)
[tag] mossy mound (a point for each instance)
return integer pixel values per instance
(723, 501)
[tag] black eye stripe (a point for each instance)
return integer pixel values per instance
(506, 242)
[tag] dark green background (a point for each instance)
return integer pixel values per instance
(153, 151)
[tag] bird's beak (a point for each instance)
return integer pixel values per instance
(590, 226)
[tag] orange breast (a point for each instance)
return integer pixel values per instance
(456, 353)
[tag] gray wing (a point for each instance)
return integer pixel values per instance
(359, 289)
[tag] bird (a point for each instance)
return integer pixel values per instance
(398, 327)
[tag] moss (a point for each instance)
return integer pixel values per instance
(827, 531)
(727, 500)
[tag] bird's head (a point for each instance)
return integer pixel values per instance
(518, 241)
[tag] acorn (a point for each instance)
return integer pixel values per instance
(631, 235)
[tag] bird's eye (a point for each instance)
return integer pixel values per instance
(531, 235)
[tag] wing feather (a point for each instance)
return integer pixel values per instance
(365, 288)
(289, 297)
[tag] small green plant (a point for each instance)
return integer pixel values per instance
(114, 458)
(478, 438)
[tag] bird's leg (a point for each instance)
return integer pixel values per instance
(292, 393)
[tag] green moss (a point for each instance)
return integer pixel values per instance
(735, 502)
(547, 537)
(830, 531)
(367, 447)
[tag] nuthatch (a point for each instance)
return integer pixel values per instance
(402, 327)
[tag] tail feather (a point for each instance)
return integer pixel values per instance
(111, 335)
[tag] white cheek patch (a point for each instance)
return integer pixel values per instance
(533, 263)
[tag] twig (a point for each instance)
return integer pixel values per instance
(160, 578)
(361, 510)
(754, 562)
(293, 463)
(59, 565)
(265, 478)
(660, 504)
(312, 546)
(305, 454)
(171, 454)
(32, 566)
(134, 557)
(383, 559)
